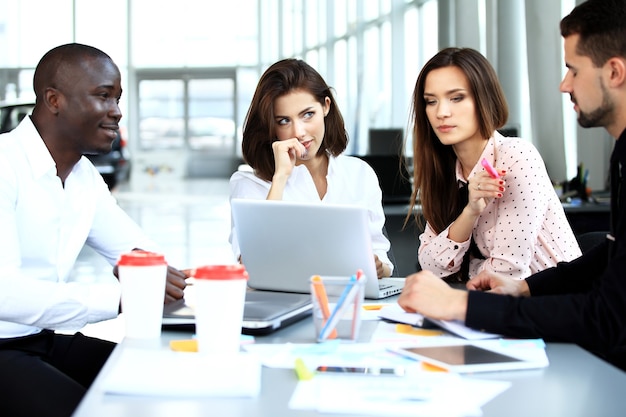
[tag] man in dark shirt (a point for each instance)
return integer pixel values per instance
(583, 301)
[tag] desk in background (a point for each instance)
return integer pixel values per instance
(588, 216)
(575, 384)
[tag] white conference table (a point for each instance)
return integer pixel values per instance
(576, 383)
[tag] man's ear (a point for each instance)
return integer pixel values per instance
(616, 67)
(52, 99)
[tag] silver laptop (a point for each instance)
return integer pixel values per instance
(284, 243)
(264, 311)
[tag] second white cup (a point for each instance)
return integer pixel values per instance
(220, 292)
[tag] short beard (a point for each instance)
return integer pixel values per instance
(601, 116)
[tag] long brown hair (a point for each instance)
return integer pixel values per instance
(434, 164)
(259, 130)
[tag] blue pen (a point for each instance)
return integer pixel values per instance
(334, 317)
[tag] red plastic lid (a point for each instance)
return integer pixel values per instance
(221, 272)
(141, 258)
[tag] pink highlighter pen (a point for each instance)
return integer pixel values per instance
(491, 170)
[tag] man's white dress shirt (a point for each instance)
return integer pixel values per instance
(44, 226)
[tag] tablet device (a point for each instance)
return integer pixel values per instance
(468, 358)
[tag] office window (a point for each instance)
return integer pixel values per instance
(113, 42)
(187, 33)
(411, 47)
(371, 84)
(312, 58)
(429, 18)
(293, 28)
(385, 7)
(312, 22)
(268, 43)
(21, 25)
(370, 10)
(341, 65)
(340, 80)
(348, 98)
(323, 25)
(341, 16)
(386, 61)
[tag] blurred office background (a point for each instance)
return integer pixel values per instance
(190, 67)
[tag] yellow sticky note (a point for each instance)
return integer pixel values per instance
(408, 329)
(188, 345)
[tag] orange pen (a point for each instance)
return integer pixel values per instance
(322, 300)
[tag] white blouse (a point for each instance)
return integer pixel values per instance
(523, 232)
(350, 181)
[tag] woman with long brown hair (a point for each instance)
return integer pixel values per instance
(511, 222)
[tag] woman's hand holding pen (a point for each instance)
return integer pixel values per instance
(483, 187)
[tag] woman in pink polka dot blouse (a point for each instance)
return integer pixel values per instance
(510, 222)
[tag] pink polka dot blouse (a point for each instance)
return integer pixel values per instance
(519, 234)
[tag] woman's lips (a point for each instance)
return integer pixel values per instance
(445, 128)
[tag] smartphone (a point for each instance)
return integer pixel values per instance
(491, 170)
(374, 371)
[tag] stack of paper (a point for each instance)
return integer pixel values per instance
(397, 314)
(176, 374)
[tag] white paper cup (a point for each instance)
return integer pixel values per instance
(142, 276)
(220, 292)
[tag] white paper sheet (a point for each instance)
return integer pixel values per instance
(167, 373)
(328, 354)
(461, 330)
(397, 314)
(424, 394)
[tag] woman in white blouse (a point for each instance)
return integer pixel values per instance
(293, 139)
(513, 224)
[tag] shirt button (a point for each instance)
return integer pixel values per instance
(456, 247)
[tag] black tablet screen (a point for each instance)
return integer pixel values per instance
(462, 355)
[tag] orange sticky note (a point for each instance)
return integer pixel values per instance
(432, 368)
(372, 306)
(408, 329)
(188, 345)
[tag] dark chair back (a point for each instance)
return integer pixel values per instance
(588, 240)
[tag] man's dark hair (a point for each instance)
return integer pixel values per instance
(601, 25)
(50, 69)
